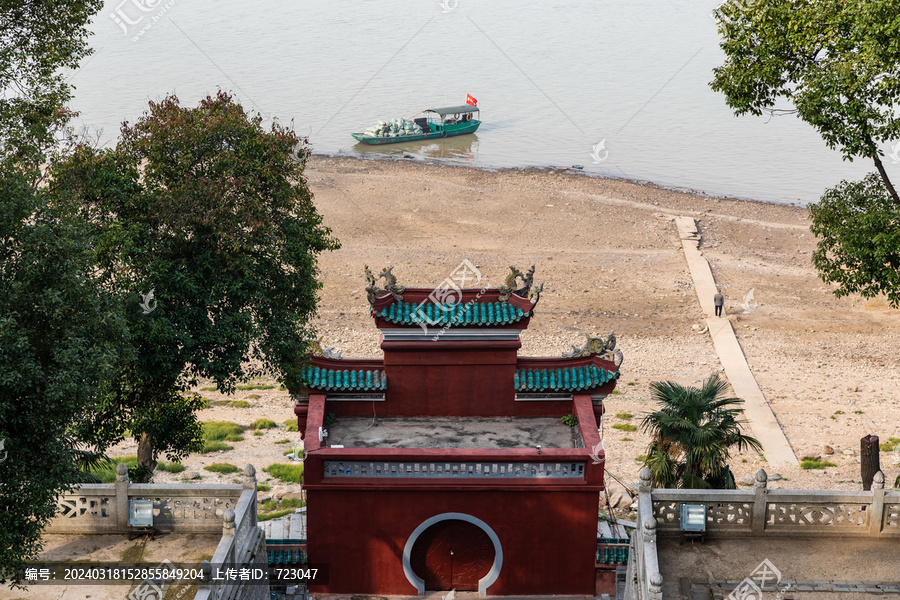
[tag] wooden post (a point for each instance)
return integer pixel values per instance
(869, 460)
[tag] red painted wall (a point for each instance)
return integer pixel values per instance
(549, 539)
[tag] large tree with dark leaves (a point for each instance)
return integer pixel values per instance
(210, 211)
(61, 339)
(836, 65)
(61, 334)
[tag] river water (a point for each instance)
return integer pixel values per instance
(617, 86)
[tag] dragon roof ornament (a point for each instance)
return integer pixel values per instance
(604, 348)
(390, 285)
(528, 290)
(317, 349)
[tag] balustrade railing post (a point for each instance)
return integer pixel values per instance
(250, 484)
(876, 516)
(760, 502)
(228, 523)
(122, 497)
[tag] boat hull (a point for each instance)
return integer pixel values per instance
(446, 131)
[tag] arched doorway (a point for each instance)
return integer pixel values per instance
(452, 550)
(452, 554)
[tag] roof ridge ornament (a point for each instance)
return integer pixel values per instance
(390, 285)
(510, 285)
(317, 349)
(604, 348)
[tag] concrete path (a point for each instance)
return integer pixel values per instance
(759, 415)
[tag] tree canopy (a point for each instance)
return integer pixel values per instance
(61, 339)
(836, 65)
(212, 212)
(38, 41)
(836, 62)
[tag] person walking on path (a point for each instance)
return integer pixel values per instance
(719, 301)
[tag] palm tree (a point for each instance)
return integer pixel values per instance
(693, 433)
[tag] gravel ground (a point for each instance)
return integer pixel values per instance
(610, 258)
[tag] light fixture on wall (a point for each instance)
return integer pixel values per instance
(140, 513)
(693, 522)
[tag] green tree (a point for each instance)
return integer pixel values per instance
(38, 40)
(858, 226)
(836, 65)
(212, 212)
(61, 337)
(693, 433)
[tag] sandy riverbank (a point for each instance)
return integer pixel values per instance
(610, 258)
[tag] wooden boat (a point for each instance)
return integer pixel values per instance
(437, 123)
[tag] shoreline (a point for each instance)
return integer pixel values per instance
(571, 170)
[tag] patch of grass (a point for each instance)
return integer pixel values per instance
(290, 425)
(215, 447)
(291, 451)
(261, 487)
(257, 433)
(260, 517)
(205, 403)
(626, 439)
(272, 509)
(170, 467)
(221, 468)
(232, 403)
(743, 460)
(857, 412)
(838, 412)
(624, 415)
(630, 383)
(254, 396)
(889, 445)
(209, 389)
(234, 438)
(641, 458)
(106, 472)
(616, 393)
(810, 463)
(216, 431)
(255, 386)
(624, 427)
(263, 424)
(286, 473)
(284, 441)
(570, 420)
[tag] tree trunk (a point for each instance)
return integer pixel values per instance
(145, 457)
(887, 181)
(869, 460)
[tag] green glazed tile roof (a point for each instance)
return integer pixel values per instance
(569, 379)
(333, 380)
(469, 313)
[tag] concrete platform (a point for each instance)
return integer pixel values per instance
(815, 568)
(182, 550)
(451, 432)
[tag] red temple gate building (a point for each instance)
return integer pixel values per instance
(446, 464)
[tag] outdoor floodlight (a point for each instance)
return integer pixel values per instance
(140, 513)
(693, 521)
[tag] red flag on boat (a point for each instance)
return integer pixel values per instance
(471, 100)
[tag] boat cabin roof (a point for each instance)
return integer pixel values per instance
(452, 110)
